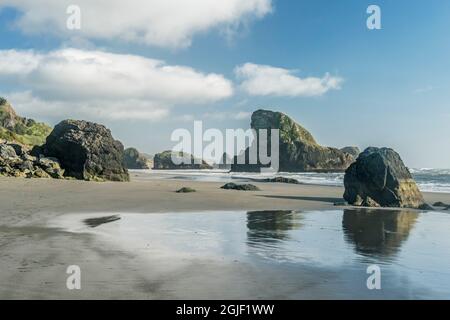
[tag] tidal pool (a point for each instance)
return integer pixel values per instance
(287, 254)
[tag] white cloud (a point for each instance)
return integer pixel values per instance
(424, 89)
(217, 116)
(107, 84)
(242, 115)
(25, 103)
(263, 80)
(168, 23)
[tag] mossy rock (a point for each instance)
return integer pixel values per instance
(14, 128)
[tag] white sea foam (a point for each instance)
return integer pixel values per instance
(428, 179)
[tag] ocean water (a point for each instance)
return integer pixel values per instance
(428, 180)
(284, 254)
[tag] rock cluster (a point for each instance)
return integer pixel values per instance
(164, 160)
(281, 180)
(379, 178)
(15, 161)
(240, 187)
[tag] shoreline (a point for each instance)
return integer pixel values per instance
(35, 255)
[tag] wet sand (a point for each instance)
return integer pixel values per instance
(34, 255)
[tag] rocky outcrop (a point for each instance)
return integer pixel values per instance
(353, 151)
(281, 180)
(240, 187)
(15, 129)
(86, 151)
(163, 161)
(276, 180)
(15, 161)
(298, 150)
(379, 178)
(442, 205)
(133, 159)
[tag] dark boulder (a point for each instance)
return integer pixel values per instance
(379, 178)
(86, 151)
(298, 150)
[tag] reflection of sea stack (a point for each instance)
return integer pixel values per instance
(375, 232)
(269, 226)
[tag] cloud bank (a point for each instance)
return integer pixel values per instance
(168, 23)
(263, 80)
(107, 84)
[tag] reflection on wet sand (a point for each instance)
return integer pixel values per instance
(271, 226)
(269, 234)
(279, 254)
(377, 232)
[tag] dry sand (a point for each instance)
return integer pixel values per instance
(34, 257)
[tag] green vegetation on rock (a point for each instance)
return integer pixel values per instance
(298, 150)
(16, 129)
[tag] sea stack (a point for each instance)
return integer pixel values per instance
(299, 151)
(135, 160)
(379, 178)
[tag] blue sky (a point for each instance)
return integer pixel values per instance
(391, 85)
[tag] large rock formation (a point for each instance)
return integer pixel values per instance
(135, 160)
(163, 161)
(379, 178)
(86, 151)
(299, 152)
(15, 129)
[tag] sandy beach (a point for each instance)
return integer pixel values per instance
(35, 255)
